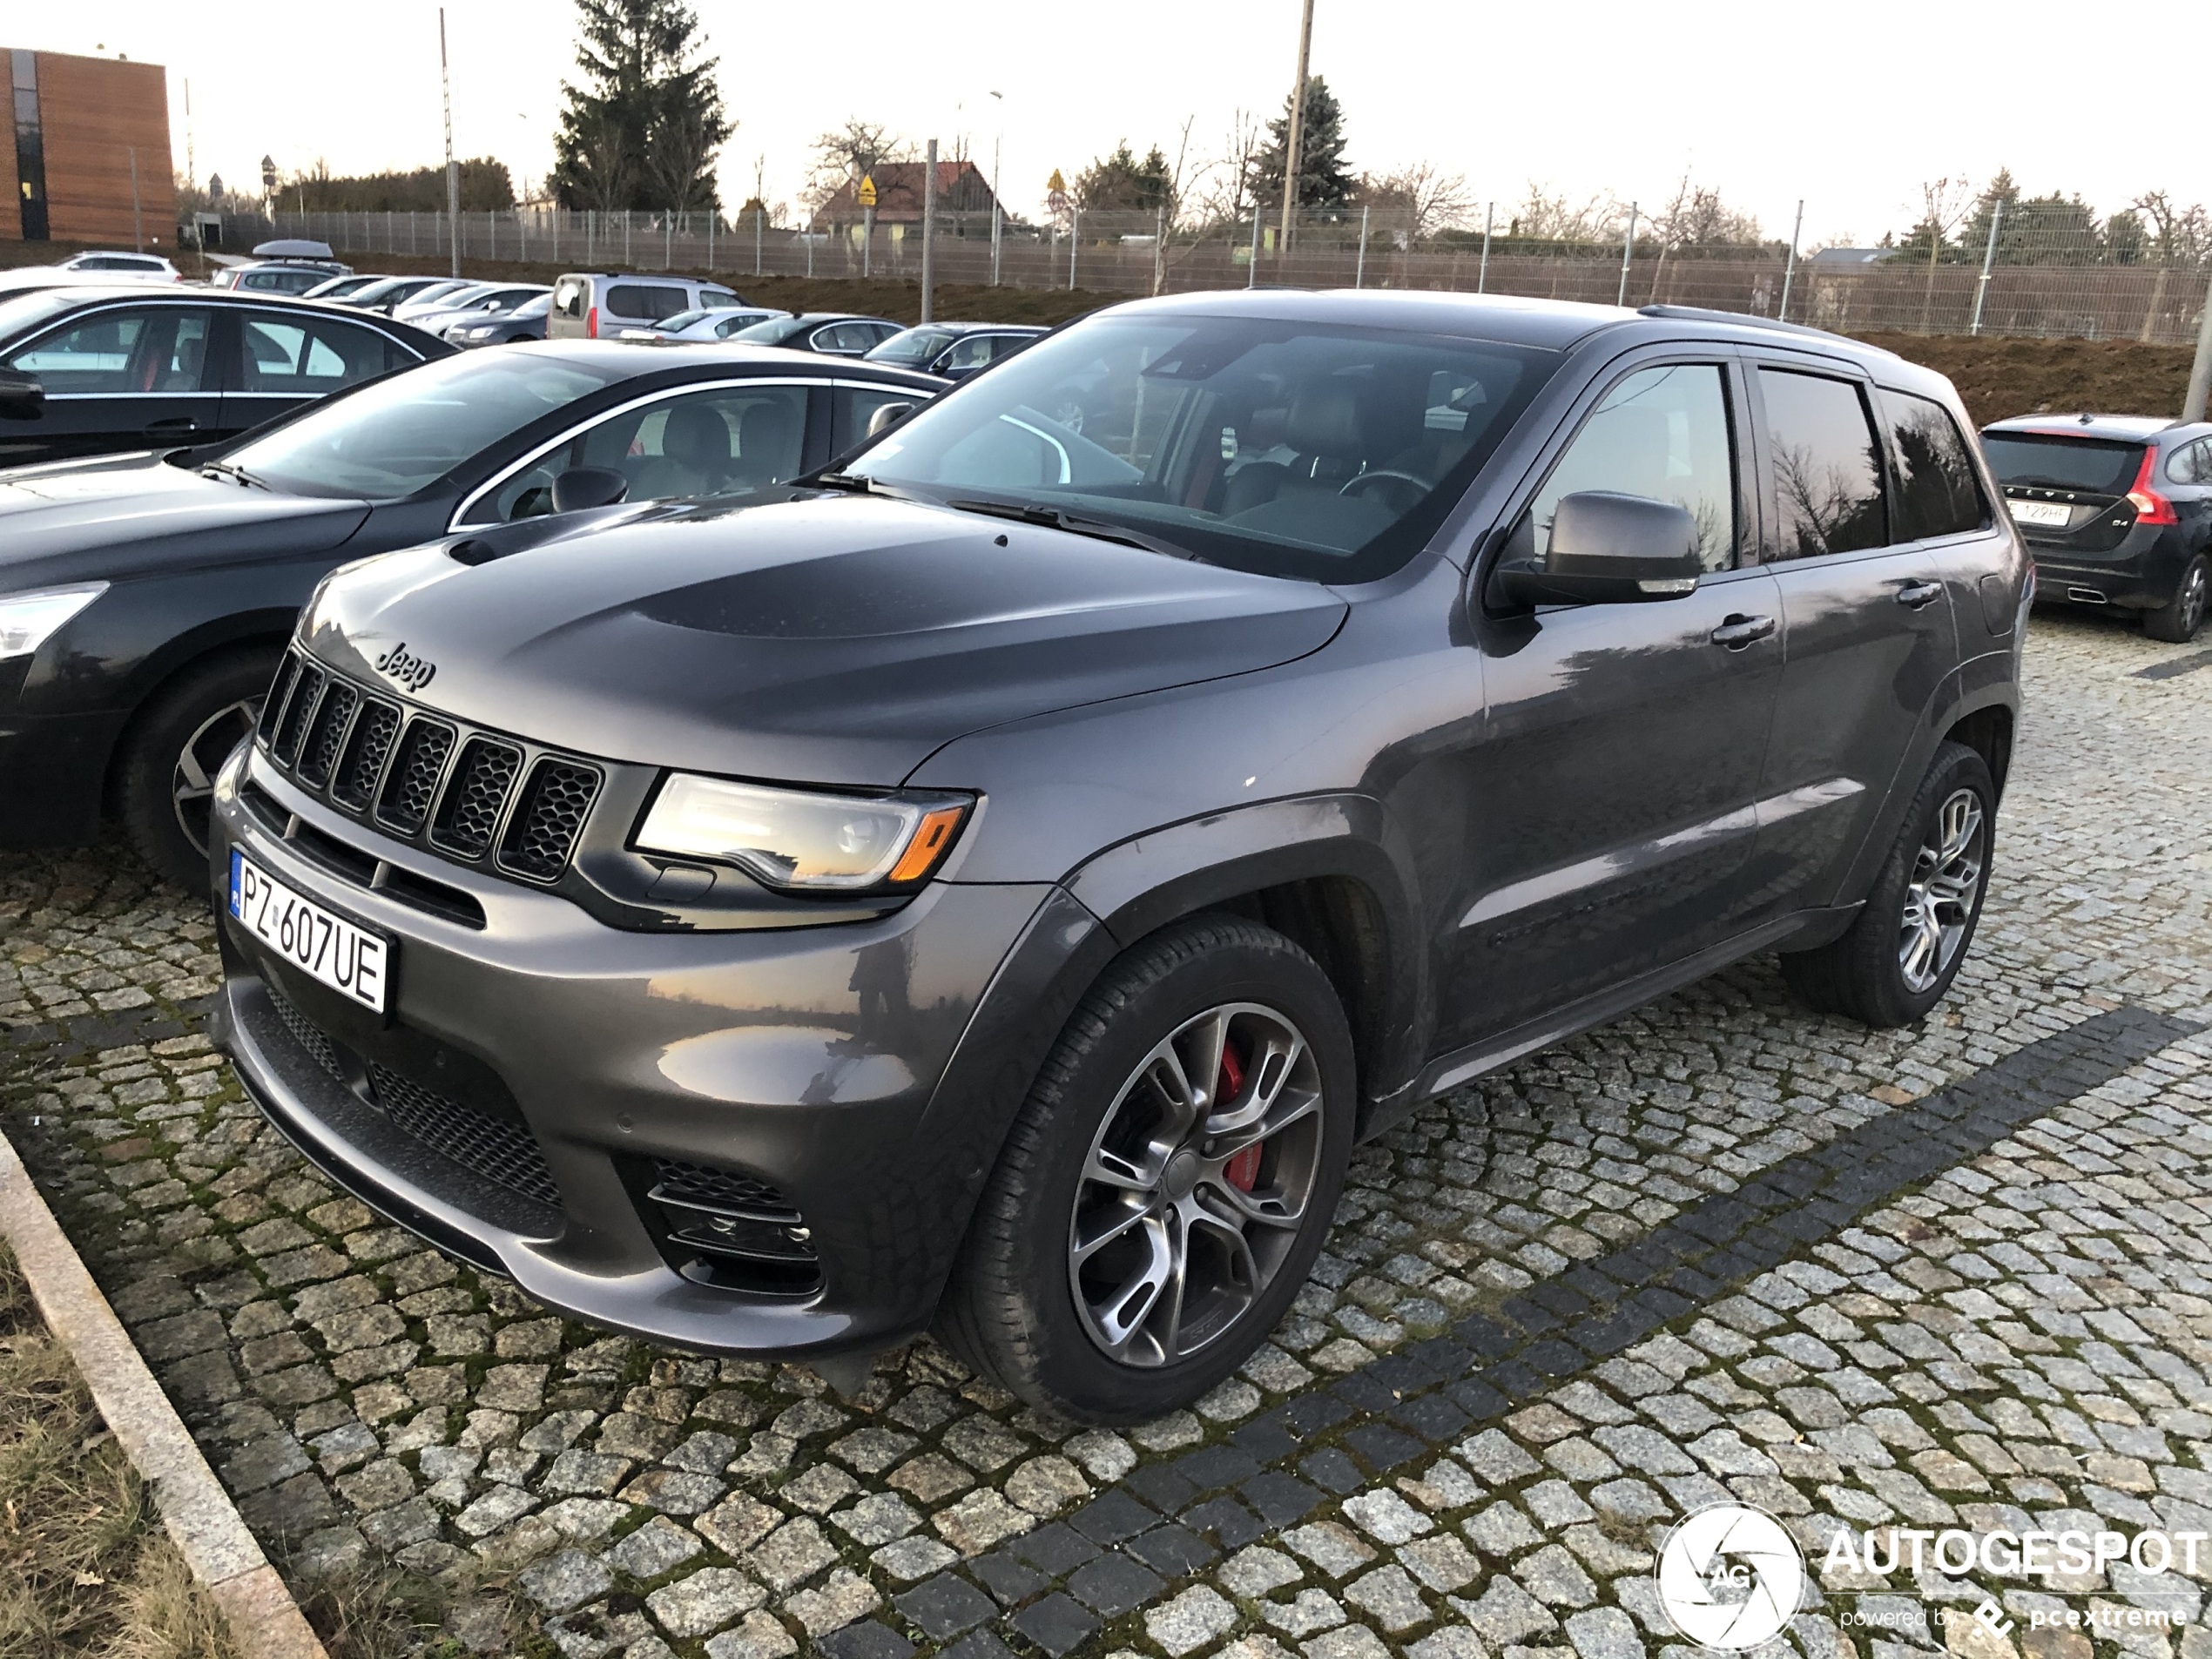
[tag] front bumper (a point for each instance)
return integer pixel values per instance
(806, 1058)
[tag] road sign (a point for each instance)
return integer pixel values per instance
(868, 191)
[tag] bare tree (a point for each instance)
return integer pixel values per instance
(1696, 217)
(850, 154)
(1426, 199)
(680, 154)
(1946, 203)
(2179, 235)
(1556, 219)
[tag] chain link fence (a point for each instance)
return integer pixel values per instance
(2033, 279)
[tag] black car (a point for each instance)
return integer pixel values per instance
(833, 333)
(954, 351)
(995, 884)
(2117, 510)
(91, 371)
(144, 601)
(509, 327)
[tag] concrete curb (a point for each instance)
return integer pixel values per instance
(223, 1553)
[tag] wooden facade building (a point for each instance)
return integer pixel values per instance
(86, 150)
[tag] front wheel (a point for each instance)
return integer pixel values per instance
(1901, 953)
(167, 786)
(2176, 622)
(1171, 1179)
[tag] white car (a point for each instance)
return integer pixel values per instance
(111, 267)
(713, 323)
(465, 305)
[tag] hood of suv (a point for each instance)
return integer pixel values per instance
(120, 515)
(834, 641)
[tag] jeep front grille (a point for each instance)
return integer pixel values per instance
(467, 795)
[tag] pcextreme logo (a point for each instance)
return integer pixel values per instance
(1730, 1576)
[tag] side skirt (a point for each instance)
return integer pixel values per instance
(1463, 1065)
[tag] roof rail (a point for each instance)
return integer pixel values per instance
(1746, 320)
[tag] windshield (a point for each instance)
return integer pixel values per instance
(773, 332)
(681, 319)
(2101, 468)
(394, 437)
(915, 346)
(1285, 448)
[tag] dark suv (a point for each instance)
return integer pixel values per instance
(996, 883)
(2116, 510)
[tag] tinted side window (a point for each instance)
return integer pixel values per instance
(2191, 463)
(1661, 433)
(1827, 466)
(164, 350)
(651, 303)
(283, 356)
(1937, 494)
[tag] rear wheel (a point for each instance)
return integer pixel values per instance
(1910, 937)
(1166, 1188)
(2176, 622)
(166, 785)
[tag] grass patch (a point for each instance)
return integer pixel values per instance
(84, 1566)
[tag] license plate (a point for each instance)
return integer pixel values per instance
(320, 943)
(2050, 514)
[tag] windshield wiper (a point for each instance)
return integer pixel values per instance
(1055, 518)
(226, 469)
(854, 482)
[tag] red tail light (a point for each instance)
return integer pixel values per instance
(2151, 508)
(591, 323)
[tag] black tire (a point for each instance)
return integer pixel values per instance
(178, 740)
(1865, 974)
(1013, 1309)
(2176, 622)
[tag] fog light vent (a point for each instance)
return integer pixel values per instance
(731, 1229)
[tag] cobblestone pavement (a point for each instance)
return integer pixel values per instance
(1959, 1275)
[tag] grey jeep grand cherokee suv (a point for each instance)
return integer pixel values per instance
(996, 883)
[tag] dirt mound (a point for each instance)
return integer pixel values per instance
(1998, 378)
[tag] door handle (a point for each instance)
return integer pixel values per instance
(175, 423)
(1739, 631)
(1913, 595)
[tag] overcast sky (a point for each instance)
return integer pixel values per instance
(1849, 108)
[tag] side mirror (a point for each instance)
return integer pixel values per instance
(582, 487)
(1609, 549)
(887, 417)
(22, 395)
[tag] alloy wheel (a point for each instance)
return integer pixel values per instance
(192, 784)
(2194, 588)
(1197, 1186)
(1940, 896)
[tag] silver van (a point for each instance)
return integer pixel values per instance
(593, 305)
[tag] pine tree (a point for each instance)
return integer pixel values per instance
(643, 131)
(1323, 180)
(1121, 181)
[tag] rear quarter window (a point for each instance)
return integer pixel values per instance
(1938, 493)
(649, 302)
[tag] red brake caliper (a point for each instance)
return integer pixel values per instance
(1243, 1170)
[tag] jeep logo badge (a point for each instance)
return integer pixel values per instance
(408, 669)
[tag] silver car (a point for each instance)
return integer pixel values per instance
(704, 327)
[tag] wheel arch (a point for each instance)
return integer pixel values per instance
(250, 631)
(1323, 873)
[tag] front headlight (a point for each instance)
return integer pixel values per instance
(29, 620)
(799, 839)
